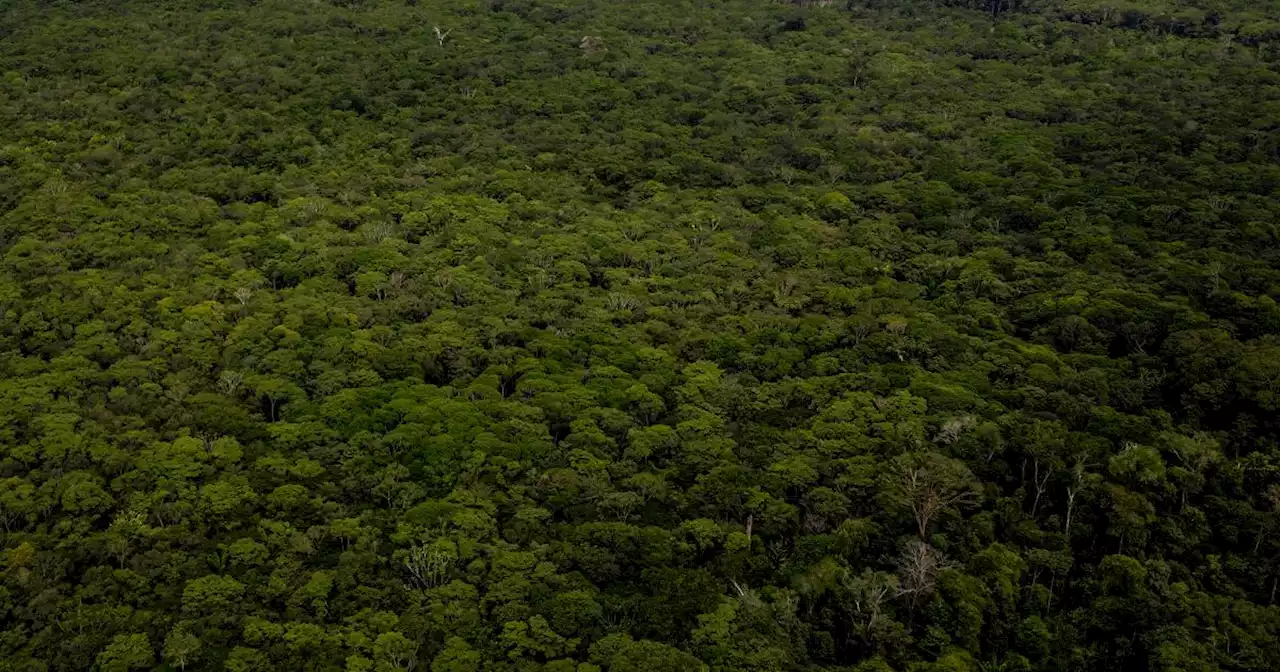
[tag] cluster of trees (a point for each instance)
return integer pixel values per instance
(535, 335)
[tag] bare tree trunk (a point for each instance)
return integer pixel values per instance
(1071, 505)
(1041, 484)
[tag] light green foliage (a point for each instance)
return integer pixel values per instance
(457, 656)
(181, 648)
(211, 593)
(127, 652)
(620, 653)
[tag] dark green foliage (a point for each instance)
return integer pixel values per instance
(517, 335)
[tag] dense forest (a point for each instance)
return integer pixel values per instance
(629, 336)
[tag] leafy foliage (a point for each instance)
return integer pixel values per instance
(529, 335)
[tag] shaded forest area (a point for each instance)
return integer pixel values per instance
(639, 336)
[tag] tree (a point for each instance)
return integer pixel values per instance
(457, 656)
(620, 653)
(127, 652)
(395, 651)
(918, 569)
(928, 485)
(181, 647)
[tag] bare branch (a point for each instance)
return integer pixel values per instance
(427, 567)
(441, 35)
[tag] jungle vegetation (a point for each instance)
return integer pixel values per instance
(639, 335)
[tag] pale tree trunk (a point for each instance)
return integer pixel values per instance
(1041, 483)
(1071, 505)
